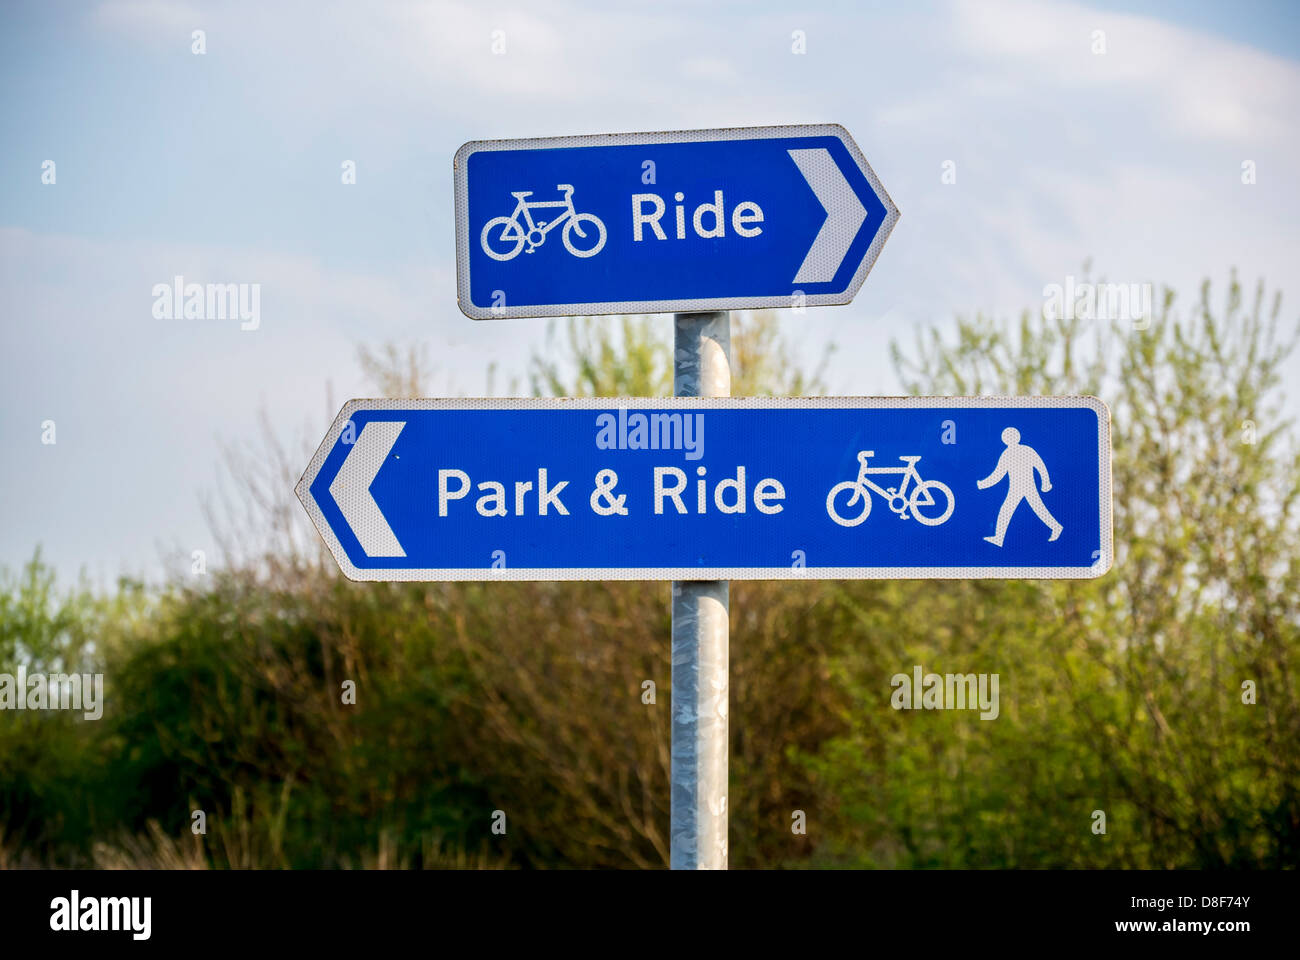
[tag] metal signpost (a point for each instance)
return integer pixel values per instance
(698, 222)
(702, 488)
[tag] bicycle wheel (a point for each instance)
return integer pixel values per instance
(928, 495)
(848, 485)
(510, 235)
(592, 235)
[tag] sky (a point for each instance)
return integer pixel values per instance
(225, 167)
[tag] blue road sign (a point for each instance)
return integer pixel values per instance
(715, 489)
(666, 222)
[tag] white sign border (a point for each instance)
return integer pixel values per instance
(1099, 568)
(507, 312)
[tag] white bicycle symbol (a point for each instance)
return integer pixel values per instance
(513, 233)
(923, 495)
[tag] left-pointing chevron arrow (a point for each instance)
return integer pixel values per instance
(350, 488)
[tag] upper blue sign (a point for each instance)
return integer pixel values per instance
(666, 222)
(715, 489)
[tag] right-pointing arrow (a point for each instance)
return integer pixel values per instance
(844, 215)
(351, 488)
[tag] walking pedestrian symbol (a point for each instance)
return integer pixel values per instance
(1018, 462)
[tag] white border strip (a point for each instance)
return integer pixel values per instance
(460, 175)
(303, 490)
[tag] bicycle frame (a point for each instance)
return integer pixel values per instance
(863, 484)
(525, 207)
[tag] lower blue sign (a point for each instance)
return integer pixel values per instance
(715, 489)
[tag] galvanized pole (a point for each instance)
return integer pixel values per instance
(698, 831)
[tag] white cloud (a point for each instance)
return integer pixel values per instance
(1194, 84)
(159, 17)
